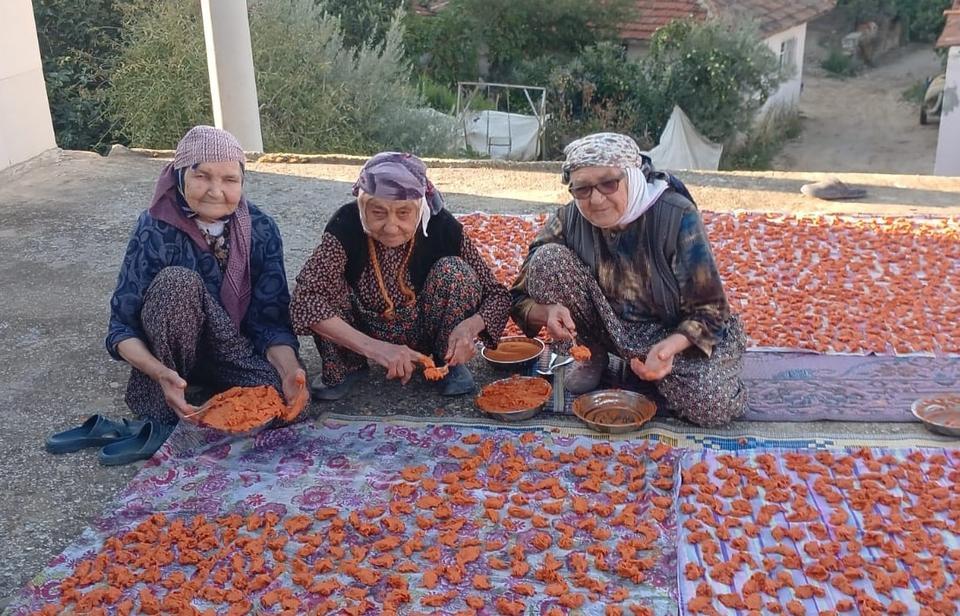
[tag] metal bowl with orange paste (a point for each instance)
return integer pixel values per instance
(513, 352)
(514, 399)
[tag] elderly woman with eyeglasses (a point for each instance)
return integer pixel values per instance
(395, 280)
(626, 268)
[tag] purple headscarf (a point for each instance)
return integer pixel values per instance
(397, 176)
(206, 144)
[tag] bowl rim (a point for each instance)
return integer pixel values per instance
(915, 410)
(646, 401)
(476, 399)
(542, 345)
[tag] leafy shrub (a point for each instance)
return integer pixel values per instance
(839, 64)
(764, 140)
(923, 19)
(316, 93)
(718, 72)
(77, 46)
(159, 86)
(472, 39)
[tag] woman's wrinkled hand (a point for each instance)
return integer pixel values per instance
(461, 345)
(399, 360)
(174, 389)
(560, 323)
(659, 361)
(294, 385)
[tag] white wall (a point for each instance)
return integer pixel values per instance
(26, 129)
(788, 95)
(948, 144)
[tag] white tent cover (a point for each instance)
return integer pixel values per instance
(508, 136)
(683, 147)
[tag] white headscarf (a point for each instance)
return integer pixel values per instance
(616, 150)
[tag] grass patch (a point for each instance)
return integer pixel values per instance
(914, 94)
(764, 141)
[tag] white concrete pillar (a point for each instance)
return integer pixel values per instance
(948, 143)
(233, 88)
(26, 129)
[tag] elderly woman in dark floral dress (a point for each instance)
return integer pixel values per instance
(396, 279)
(627, 269)
(202, 293)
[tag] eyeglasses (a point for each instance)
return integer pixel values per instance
(606, 187)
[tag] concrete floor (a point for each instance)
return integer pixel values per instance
(64, 224)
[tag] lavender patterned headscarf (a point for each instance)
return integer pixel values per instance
(397, 176)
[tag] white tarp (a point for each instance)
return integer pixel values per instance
(683, 147)
(510, 136)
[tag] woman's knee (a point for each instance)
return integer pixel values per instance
(175, 292)
(554, 274)
(706, 401)
(452, 275)
(175, 281)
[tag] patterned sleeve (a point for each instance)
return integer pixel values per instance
(321, 288)
(495, 300)
(550, 233)
(141, 262)
(703, 303)
(267, 320)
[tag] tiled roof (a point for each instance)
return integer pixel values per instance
(951, 31)
(771, 16)
(651, 15)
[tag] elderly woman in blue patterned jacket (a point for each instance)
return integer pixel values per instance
(626, 268)
(202, 293)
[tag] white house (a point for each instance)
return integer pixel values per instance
(948, 144)
(26, 129)
(782, 24)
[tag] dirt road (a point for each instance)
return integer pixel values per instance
(863, 124)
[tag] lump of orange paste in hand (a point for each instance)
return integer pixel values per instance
(580, 352)
(430, 370)
(299, 402)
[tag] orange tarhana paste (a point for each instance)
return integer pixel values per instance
(513, 394)
(240, 409)
(514, 350)
(430, 370)
(580, 352)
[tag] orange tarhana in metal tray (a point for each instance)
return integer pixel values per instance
(514, 394)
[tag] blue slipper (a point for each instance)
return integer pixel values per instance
(141, 446)
(458, 382)
(96, 431)
(331, 393)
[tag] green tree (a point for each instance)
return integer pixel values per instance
(363, 21)
(451, 45)
(316, 93)
(78, 49)
(719, 73)
(923, 19)
(159, 85)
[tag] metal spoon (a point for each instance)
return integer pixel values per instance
(554, 364)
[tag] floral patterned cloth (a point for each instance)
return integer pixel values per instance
(353, 465)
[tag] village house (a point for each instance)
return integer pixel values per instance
(781, 23)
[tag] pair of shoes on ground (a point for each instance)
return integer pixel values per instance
(459, 381)
(122, 442)
(832, 189)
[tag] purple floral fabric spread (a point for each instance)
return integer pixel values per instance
(355, 465)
